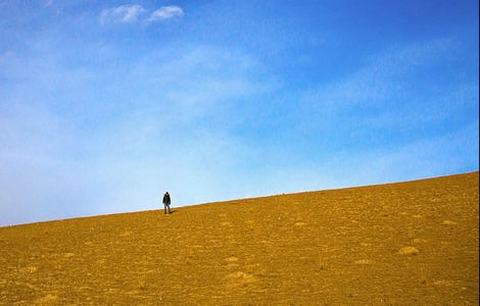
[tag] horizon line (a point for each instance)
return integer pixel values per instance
(249, 198)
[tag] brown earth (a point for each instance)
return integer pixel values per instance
(413, 243)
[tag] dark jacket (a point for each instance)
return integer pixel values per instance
(166, 199)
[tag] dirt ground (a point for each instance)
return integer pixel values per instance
(412, 243)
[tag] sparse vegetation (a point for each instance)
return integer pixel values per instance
(402, 244)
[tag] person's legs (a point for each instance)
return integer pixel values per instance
(168, 208)
(164, 209)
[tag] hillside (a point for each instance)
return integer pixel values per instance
(413, 243)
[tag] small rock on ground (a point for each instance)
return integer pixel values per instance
(408, 250)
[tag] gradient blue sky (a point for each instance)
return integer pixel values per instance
(104, 105)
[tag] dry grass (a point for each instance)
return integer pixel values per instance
(402, 244)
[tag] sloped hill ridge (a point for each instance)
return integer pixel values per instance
(402, 244)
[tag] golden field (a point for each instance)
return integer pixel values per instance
(412, 243)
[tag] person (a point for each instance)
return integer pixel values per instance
(166, 202)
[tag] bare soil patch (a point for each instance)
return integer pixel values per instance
(413, 243)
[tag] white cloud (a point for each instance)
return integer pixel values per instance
(166, 12)
(123, 13)
(130, 13)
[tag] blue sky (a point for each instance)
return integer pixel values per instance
(104, 105)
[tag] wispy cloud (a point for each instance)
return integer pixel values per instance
(166, 12)
(382, 94)
(173, 134)
(106, 123)
(382, 78)
(131, 13)
(122, 14)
